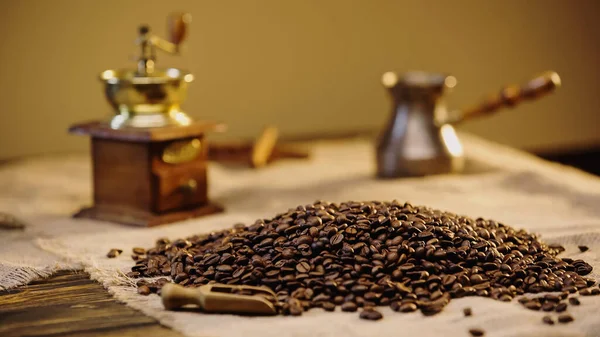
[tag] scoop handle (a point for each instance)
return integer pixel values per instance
(178, 25)
(175, 296)
(510, 96)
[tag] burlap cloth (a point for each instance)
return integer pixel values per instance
(560, 203)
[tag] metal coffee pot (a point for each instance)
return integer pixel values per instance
(419, 138)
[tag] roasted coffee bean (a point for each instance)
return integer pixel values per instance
(570, 289)
(296, 310)
(548, 320)
(114, 253)
(565, 318)
(583, 248)
(448, 281)
(467, 312)
(328, 306)
(144, 290)
(548, 306)
(303, 267)
(552, 298)
(395, 305)
(139, 251)
(589, 292)
(224, 268)
(337, 239)
(574, 301)
(533, 305)
(371, 314)
(476, 332)
(408, 307)
(370, 253)
(560, 307)
(349, 307)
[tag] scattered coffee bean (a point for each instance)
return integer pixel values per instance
(367, 254)
(139, 251)
(533, 305)
(371, 314)
(574, 301)
(548, 320)
(476, 332)
(583, 248)
(467, 311)
(560, 307)
(565, 318)
(552, 298)
(144, 290)
(114, 253)
(548, 306)
(349, 307)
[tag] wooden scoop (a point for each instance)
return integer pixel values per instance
(220, 298)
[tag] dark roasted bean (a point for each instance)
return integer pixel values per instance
(114, 253)
(371, 314)
(407, 307)
(476, 332)
(467, 312)
(349, 307)
(533, 305)
(328, 306)
(144, 290)
(565, 318)
(574, 301)
(560, 307)
(139, 251)
(303, 267)
(548, 320)
(583, 248)
(548, 306)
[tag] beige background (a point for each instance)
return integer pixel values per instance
(306, 66)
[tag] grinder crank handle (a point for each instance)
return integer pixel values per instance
(178, 25)
(510, 96)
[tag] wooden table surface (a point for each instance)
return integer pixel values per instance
(70, 304)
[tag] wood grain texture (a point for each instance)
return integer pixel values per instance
(128, 216)
(146, 135)
(70, 304)
(121, 173)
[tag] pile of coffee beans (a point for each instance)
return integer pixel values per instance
(369, 254)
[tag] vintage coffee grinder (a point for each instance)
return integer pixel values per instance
(419, 138)
(150, 159)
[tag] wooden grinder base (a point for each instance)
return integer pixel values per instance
(146, 219)
(132, 182)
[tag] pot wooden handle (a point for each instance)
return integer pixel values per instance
(510, 96)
